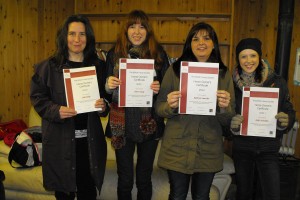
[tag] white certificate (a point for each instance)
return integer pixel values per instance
(136, 76)
(198, 86)
(259, 107)
(81, 86)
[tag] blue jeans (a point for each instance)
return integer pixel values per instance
(144, 167)
(266, 164)
(180, 182)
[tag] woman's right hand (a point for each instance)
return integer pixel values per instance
(173, 99)
(66, 112)
(236, 123)
(113, 82)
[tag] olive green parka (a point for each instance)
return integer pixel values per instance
(192, 143)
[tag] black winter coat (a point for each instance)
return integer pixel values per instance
(47, 94)
(284, 105)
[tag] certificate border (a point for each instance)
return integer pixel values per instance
(246, 101)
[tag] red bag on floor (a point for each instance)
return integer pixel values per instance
(8, 130)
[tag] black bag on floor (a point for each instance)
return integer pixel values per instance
(26, 149)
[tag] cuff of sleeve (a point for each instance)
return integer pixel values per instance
(280, 128)
(235, 132)
(109, 91)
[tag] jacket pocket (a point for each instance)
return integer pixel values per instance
(210, 146)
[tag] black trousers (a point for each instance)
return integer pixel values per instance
(144, 167)
(86, 189)
(250, 165)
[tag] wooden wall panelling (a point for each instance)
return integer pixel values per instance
(52, 14)
(295, 90)
(151, 6)
(18, 49)
(170, 25)
(106, 30)
(28, 51)
(22, 33)
(254, 21)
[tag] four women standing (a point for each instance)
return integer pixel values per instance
(191, 149)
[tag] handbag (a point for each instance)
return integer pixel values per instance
(26, 149)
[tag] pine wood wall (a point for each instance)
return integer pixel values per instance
(259, 18)
(171, 20)
(27, 32)
(28, 28)
(18, 47)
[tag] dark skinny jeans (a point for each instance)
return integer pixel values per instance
(180, 182)
(144, 167)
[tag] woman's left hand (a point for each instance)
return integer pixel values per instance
(100, 103)
(282, 119)
(223, 98)
(155, 86)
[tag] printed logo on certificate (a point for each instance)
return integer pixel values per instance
(198, 86)
(81, 86)
(136, 76)
(259, 107)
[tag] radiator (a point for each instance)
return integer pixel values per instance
(288, 141)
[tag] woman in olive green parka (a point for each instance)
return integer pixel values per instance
(192, 145)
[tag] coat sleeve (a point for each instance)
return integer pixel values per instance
(286, 106)
(110, 65)
(226, 84)
(42, 96)
(101, 76)
(162, 107)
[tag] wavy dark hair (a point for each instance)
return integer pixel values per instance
(150, 48)
(62, 54)
(188, 55)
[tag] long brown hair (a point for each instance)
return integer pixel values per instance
(149, 48)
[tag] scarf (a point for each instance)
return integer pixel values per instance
(248, 80)
(147, 124)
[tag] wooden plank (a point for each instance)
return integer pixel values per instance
(295, 90)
